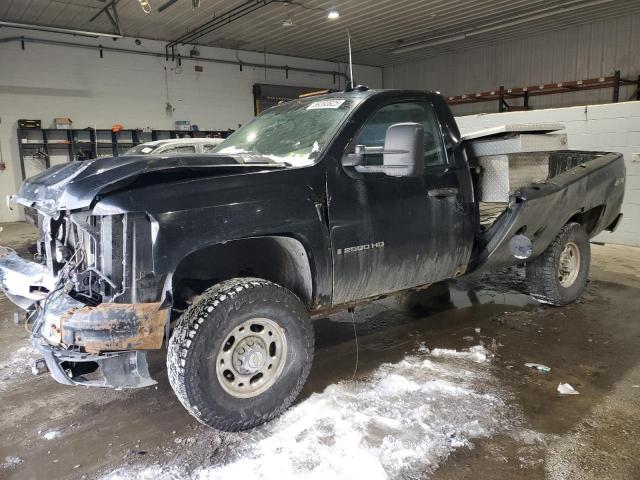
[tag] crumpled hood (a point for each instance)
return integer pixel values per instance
(75, 185)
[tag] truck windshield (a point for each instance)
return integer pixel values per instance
(294, 133)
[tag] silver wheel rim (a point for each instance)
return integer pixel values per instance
(569, 266)
(251, 357)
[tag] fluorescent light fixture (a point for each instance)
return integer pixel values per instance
(145, 5)
(517, 20)
(333, 13)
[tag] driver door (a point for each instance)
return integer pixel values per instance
(390, 233)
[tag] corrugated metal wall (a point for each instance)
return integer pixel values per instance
(583, 51)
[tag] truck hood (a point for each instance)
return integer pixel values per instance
(75, 185)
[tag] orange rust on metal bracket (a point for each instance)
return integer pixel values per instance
(115, 326)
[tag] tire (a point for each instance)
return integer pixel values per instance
(208, 366)
(552, 277)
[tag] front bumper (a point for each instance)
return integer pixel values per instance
(70, 334)
(117, 369)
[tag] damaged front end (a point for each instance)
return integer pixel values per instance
(92, 299)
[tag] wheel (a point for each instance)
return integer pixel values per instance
(240, 355)
(559, 275)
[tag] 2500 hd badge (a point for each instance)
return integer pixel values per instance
(360, 248)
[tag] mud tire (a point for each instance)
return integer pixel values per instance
(199, 334)
(543, 272)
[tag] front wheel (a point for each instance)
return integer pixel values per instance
(240, 355)
(559, 275)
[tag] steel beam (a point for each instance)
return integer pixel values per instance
(229, 16)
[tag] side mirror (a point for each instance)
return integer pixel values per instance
(403, 152)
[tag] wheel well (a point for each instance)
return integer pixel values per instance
(280, 259)
(589, 219)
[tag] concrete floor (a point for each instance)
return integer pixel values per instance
(441, 391)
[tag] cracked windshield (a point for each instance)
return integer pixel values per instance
(293, 133)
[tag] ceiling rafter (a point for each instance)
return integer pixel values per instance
(111, 11)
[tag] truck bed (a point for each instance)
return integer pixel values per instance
(520, 170)
(585, 185)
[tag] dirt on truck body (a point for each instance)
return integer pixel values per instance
(316, 205)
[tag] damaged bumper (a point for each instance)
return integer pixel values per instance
(24, 282)
(107, 327)
(77, 339)
(117, 369)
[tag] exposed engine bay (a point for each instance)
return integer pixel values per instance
(90, 296)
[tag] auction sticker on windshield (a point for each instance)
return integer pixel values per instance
(329, 103)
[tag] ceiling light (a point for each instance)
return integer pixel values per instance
(333, 14)
(145, 5)
(288, 21)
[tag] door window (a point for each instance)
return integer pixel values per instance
(373, 132)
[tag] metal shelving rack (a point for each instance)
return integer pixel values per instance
(502, 94)
(82, 144)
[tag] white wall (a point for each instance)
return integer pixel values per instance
(614, 127)
(578, 52)
(44, 81)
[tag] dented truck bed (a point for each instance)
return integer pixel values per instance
(576, 182)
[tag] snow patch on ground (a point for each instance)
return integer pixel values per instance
(10, 462)
(16, 365)
(476, 354)
(154, 472)
(51, 434)
(401, 422)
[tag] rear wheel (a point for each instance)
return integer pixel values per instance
(240, 355)
(559, 275)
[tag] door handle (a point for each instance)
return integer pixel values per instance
(442, 192)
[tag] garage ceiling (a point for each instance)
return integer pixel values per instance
(381, 30)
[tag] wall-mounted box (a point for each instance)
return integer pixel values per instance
(62, 123)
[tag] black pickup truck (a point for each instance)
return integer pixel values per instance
(317, 204)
